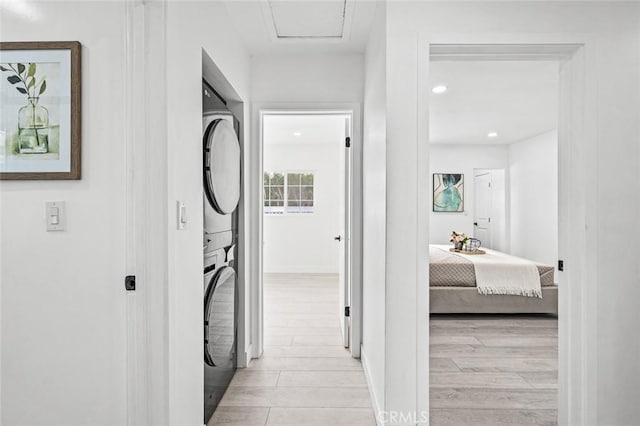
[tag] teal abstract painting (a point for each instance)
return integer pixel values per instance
(448, 192)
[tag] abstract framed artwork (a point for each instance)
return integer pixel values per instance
(40, 119)
(448, 192)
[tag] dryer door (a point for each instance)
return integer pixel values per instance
(222, 166)
(219, 319)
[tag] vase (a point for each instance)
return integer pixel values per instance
(458, 246)
(33, 128)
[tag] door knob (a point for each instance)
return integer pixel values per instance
(475, 223)
(338, 238)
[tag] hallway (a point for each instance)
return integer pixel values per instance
(305, 375)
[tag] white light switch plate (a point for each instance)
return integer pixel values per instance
(182, 214)
(56, 215)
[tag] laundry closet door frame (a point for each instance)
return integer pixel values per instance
(147, 216)
(256, 314)
(577, 178)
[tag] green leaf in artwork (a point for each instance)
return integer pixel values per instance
(32, 82)
(13, 79)
(21, 68)
(21, 90)
(4, 69)
(32, 70)
(43, 87)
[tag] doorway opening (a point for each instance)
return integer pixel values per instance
(306, 226)
(494, 300)
(343, 240)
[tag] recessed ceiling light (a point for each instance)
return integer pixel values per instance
(492, 134)
(297, 134)
(439, 89)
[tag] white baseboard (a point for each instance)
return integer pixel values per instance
(372, 392)
(245, 358)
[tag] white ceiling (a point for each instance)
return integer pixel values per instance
(345, 25)
(308, 20)
(313, 129)
(516, 99)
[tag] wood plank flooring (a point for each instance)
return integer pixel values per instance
(305, 376)
(486, 370)
(490, 370)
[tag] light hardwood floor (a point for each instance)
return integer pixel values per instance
(305, 376)
(490, 370)
(485, 370)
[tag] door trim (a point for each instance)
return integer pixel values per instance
(577, 386)
(146, 216)
(256, 313)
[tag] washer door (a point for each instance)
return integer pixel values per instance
(219, 319)
(222, 166)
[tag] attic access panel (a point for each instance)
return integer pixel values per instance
(308, 19)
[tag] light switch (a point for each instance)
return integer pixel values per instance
(55, 215)
(182, 215)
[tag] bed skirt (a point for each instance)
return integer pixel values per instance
(467, 300)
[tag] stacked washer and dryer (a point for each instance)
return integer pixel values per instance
(222, 177)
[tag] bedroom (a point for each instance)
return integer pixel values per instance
(494, 170)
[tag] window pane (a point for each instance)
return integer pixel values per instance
(277, 179)
(277, 203)
(293, 193)
(307, 193)
(307, 203)
(280, 193)
(276, 193)
(293, 179)
(307, 179)
(265, 180)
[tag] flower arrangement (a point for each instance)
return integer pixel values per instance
(458, 237)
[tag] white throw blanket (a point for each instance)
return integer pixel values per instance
(500, 273)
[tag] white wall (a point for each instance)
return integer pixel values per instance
(611, 33)
(533, 174)
(63, 334)
(307, 78)
(191, 27)
(374, 206)
(464, 159)
(300, 242)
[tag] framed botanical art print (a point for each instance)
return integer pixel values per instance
(40, 110)
(448, 192)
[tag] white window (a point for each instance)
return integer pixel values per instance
(274, 193)
(288, 192)
(300, 192)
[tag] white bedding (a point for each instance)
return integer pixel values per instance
(500, 273)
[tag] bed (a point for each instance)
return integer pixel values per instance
(453, 288)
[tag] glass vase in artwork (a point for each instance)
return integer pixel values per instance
(33, 128)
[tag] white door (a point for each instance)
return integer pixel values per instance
(482, 210)
(344, 240)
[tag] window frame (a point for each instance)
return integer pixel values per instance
(285, 211)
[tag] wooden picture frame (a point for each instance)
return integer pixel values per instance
(40, 122)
